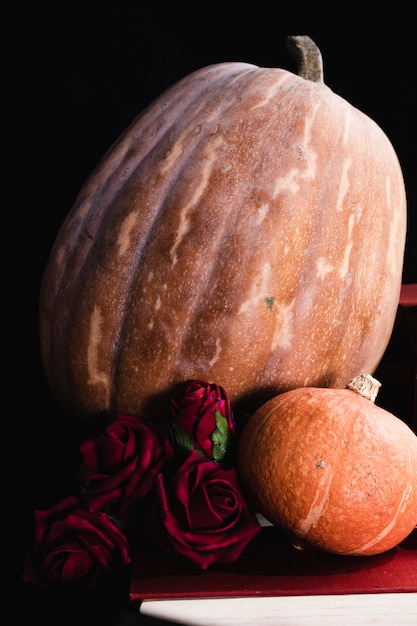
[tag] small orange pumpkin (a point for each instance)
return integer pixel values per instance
(332, 469)
(248, 229)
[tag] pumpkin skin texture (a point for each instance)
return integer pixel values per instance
(248, 228)
(332, 469)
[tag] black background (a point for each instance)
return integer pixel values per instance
(74, 76)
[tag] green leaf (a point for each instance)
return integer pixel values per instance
(220, 436)
(183, 441)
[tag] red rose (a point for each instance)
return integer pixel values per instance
(200, 513)
(119, 466)
(202, 419)
(74, 548)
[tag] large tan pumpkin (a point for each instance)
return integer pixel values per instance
(332, 469)
(247, 229)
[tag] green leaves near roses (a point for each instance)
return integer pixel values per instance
(184, 441)
(220, 437)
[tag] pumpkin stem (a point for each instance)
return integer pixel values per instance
(308, 57)
(365, 385)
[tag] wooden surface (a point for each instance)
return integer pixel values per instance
(341, 610)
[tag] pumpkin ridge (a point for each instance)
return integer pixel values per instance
(186, 335)
(364, 331)
(121, 148)
(312, 524)
(385, 532)
(100, 181)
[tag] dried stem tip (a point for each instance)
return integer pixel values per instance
(365, 385)
(307, 56)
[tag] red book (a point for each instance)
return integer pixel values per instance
(408, 295)
(270, 566)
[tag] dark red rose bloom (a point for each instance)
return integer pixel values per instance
(200, 513)
(74, 548)
(119, 466)
(202, 419)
